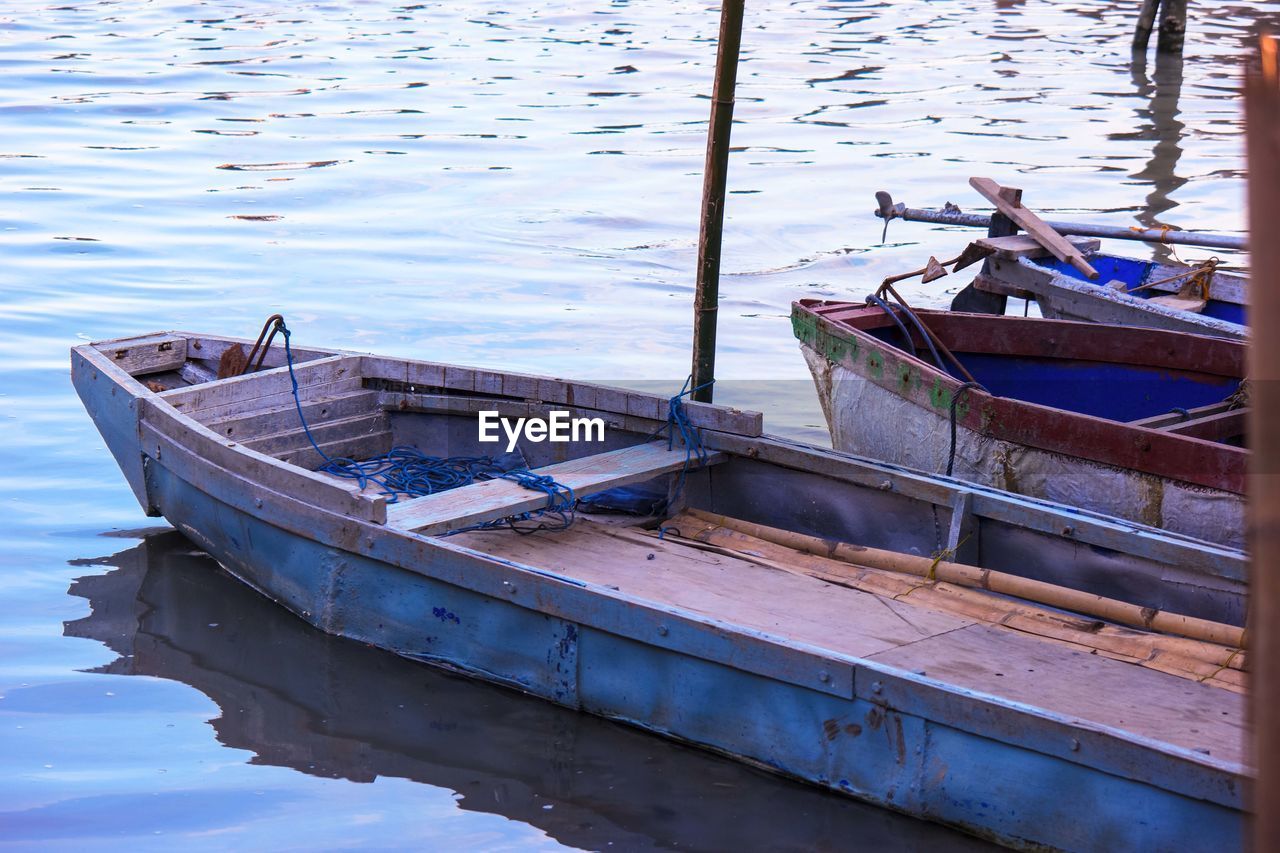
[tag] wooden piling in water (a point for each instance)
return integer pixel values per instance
(715, 177)
(1146, 21)
(1262, 110)
(1172, 15)
(1173, 26)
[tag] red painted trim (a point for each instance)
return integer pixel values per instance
(1065, 339)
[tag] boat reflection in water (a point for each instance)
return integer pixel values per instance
(331, 707)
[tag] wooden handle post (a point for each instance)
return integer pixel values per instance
(1010, 204)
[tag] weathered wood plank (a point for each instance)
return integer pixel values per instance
(426, 376)
(1223, 286)
(727, 587)
(1026, 246)
(1218, 426)
(451, 404)
(320, 391)
(1083, 687)
(485, 501)
(358, 447)
(159, 419)
(991, 284)
(1178, 302)
(1033, 225)
(211, 348)
(255, 386)
(1167, 419)
(150, 354)
(318, 409)
(293, 437)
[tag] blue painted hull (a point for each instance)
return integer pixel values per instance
(888, 745)
(1001, 768)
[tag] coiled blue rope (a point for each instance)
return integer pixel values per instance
(408, 472)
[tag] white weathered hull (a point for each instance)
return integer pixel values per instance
(869, 420)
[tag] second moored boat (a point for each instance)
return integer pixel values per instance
(1144, 424)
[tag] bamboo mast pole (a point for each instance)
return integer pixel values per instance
(1262, 144)
(715, 177)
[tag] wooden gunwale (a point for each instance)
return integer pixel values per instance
(1088, 527)
(1124, 445)
(1033, 337)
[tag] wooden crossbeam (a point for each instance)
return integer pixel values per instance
(1011, 206)
(492, 499)
(1215, 427)
(1026, 246)
(1165, 420)
(153, 354)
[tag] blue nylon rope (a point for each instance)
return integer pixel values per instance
(678, 424)
(408, 472)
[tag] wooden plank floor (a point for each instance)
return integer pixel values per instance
(1018, 667)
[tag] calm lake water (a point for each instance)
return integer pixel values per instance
(500, 186)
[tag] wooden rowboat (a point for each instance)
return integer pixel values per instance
(1127, 292)
(736, 619)
(1143, 424)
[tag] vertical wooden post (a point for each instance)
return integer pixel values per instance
(970, 299)
(1173, 26)
(715, 177)
(1262, 111)
(1146, 20)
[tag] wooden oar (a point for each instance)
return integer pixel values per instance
(1009, 202)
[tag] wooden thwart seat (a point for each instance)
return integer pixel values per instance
(1215, 422)
(492, 499)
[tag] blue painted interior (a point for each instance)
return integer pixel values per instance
(1121, 392)
(1110, 268)
(1134, 273)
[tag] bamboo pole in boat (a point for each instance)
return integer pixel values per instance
(1041, 592)
(715, 178)
(1262, 145)
(1206, 662)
